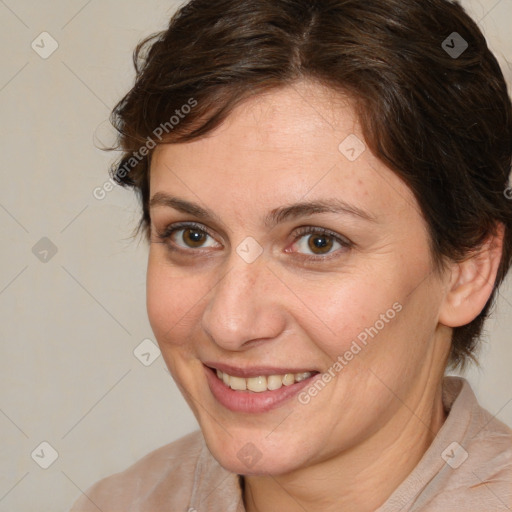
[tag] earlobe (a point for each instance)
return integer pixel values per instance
(471, 282)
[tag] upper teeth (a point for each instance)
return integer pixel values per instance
(262, 382)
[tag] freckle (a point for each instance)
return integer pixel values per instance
(362, 188)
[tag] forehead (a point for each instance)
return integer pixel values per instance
(304, 115)
(287, 144)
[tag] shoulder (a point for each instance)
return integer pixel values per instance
(488, 475)
(478, 470)
(488, 443)
(163, 476)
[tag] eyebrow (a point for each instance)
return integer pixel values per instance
(276, 216)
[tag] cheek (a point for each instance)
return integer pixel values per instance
(330, 310)
(171, 301)
(342, 309)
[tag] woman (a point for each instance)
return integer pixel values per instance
(323, 187)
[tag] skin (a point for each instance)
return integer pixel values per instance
(357, 439)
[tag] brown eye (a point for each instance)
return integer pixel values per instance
(316, 242)
(320, 244)
(193, 237)
(186, 236)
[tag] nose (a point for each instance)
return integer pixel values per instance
(243, 307)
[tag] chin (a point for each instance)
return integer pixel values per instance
(251, 456)
(260, 467)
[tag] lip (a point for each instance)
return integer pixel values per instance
(248, 401)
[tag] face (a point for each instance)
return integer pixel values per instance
(281, 246)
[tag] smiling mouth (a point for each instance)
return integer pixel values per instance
(261, 383)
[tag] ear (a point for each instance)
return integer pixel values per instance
(471, 282)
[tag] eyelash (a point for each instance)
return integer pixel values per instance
(302, 231)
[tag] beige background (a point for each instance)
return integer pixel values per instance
(69, 326)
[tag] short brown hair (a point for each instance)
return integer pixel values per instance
(433, 110)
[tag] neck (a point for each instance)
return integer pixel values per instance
(361, 479)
